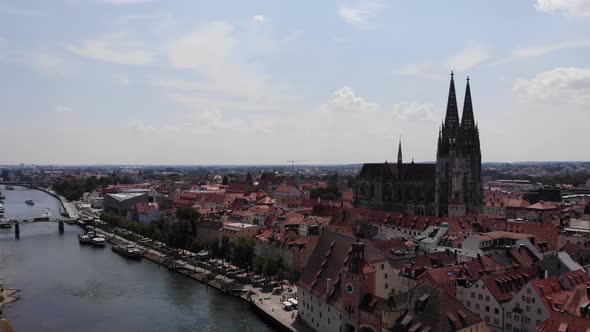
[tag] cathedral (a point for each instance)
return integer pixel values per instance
(450, 187)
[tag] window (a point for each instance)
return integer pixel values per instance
(528, 308)
(487, 298)
(477, 306)
(508, 327)
(539, 311)
(382, 266)
(487, 319)
(496, 311)
(468, 303)
(496, 321)
(528, 291)
(517, 318)
(523, 299)
(533, 300)
(385, 275)
(479, 296)
(472, 295)
(487, 308)
(386, 286)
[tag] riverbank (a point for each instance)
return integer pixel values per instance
(266, 304)
(68, 206)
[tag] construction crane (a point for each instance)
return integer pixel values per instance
(293, 163)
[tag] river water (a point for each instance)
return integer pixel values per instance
(68, 287)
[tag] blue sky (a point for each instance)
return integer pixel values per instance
(250, 82)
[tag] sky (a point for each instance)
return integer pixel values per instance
(264, 82)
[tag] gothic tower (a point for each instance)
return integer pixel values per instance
(458, 158)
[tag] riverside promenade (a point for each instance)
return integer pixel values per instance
(267, 305)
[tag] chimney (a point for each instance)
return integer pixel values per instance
(329, 285)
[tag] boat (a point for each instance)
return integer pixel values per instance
(9, 187)
(30, 202)
(84, 239)
(43, 217)
(98, 241)
(129, 251)
(5, 224)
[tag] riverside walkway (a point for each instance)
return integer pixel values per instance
(268, 305)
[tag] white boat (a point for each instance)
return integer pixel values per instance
(84, 239)
(5, 224)
(98, 241)
(43, 217)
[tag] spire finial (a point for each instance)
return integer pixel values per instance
(467, 79)
(452, 74)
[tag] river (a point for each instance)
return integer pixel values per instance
(68, 287)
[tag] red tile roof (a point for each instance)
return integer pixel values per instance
(564, 322)
(505, 285)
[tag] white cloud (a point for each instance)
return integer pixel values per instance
(15, 11)
(468, 58)
(259, 18)
(423, 70)
(411, 111)
(360, 12)
(571, 7)
(557, 86)
(123, 80)
(48, 64)
(63, 109)
(111, 50)
(125, 2)
(213, 53)
(346, 100)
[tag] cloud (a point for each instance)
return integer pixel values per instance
(360, 12)
(222, 70)
(540, 50)
(423, 70)
(259, 18)
(346, 100)
(557, 86)
(48, 64)
(110, 50)
(63, 109)
(123, 80)
(14, 11)
(469, 57)
(411, 111)
(125, 2)
(570, 7)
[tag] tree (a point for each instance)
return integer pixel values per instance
(242, 252)
(330, 193)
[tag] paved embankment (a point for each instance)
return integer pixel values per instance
(268, 306)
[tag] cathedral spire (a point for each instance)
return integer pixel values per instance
(452, 115)
(467, 120)
(399, 152)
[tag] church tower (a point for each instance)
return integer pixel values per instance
(458, 158)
